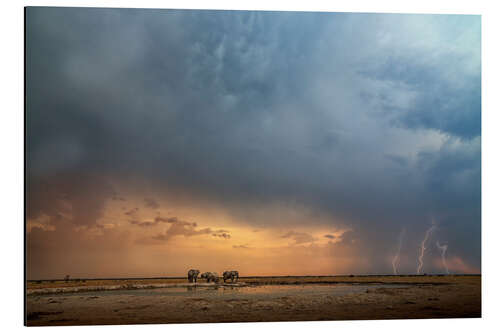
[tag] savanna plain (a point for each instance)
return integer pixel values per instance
(251, 299)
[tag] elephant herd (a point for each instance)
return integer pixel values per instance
(212, 276)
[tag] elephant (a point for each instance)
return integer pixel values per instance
(193, 275)
(230, 275)
(210, 276)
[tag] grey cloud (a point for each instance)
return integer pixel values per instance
(440, 104)
(299, 237)
(399, 160)
(224, 235)
(341, 113)
(166, 219)
(186, 230)
(159, 219)
(144, 223)
(183, 228)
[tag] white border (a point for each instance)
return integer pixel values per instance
(442, 6)
(11, 18)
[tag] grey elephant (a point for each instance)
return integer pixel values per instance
(210, 276)
(193, 275)
(231, 275)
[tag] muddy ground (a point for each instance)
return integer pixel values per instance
(254, 299)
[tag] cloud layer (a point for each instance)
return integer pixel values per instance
(294, 123)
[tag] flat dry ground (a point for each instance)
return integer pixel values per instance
(388, 297)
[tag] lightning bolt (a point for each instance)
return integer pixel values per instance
(422, 247)
(443, 249)
(395, 260)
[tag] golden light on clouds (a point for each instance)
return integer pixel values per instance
(156, 237)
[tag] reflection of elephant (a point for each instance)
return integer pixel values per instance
(231, 275)
(193, 275)
(210, 276)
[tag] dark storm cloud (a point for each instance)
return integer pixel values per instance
(441, 105)
(373, 120)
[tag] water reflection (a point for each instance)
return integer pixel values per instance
(260, 291)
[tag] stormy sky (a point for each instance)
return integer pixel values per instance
(274, 143)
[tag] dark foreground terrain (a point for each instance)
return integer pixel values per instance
(97, 302)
